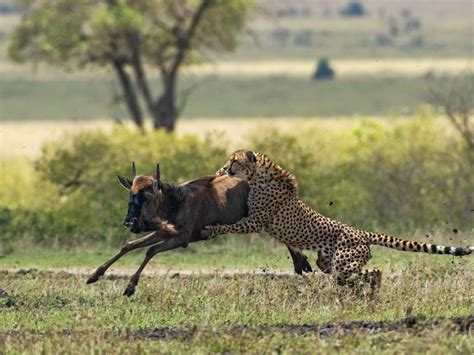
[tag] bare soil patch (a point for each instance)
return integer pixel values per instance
(119, 273)
(462, 325)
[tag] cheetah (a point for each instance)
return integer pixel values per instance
(274, 206)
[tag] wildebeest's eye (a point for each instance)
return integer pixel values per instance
(148, 193)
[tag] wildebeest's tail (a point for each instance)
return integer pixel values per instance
(408, 245)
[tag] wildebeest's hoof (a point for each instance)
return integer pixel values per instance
(129, 291)
(92, 279)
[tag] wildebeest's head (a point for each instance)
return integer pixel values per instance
(142, 190)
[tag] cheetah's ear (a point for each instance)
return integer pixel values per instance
(251, 156)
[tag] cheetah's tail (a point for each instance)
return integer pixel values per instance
(408, 245)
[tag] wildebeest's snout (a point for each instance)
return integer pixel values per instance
(130, 222)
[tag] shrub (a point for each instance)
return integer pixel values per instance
(83, 199)
(304, 38)
(406, 175)
(353, 8)
(374, 176)
(323, 70)
(383, 40)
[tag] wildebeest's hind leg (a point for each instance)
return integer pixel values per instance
(145, 241)
(169, 244)
(300, 261)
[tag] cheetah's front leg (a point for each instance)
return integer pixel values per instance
(246, 227)
(323, 263)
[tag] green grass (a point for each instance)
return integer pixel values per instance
(223, 97)
(253, 342)
(230, 252)
(338, 37)
(354, 39)
(49, 311)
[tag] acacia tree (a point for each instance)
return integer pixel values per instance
(132, 37)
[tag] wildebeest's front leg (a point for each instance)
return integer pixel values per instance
(169, 244)
(145, 241)
(300, 261)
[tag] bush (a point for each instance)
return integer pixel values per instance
(408, 175)
(78, 197)
(375, 176)
(383, 40)
(304, 38)
(323, 70)
(354, 8)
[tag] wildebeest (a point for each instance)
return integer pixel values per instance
(177, 213)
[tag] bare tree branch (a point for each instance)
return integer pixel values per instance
(185, 39)
(458, 105)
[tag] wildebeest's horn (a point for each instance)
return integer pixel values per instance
(134, 169)
(158, 171)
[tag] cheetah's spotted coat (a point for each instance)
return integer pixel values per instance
(275, 207)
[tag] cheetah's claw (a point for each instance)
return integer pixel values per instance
(209, 232)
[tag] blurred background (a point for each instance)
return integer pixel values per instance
(369, 103)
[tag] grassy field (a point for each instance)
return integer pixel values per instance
(344, 68)
(235, 300)
(265, 78)
(223, 97)
(43, 311)
(23, 139)
(231, 252)
(445, 30)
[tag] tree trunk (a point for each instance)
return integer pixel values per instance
(129, 94)
(165, 111)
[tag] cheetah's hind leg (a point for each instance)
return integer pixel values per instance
(351, 274)
(357, 281)
(374, 279)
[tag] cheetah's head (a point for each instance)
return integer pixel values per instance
(241, 164)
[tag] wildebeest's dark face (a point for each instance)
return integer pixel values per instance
(135, 205)
(140, 191)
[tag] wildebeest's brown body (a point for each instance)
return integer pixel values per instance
(210, 200)
(177, 214)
